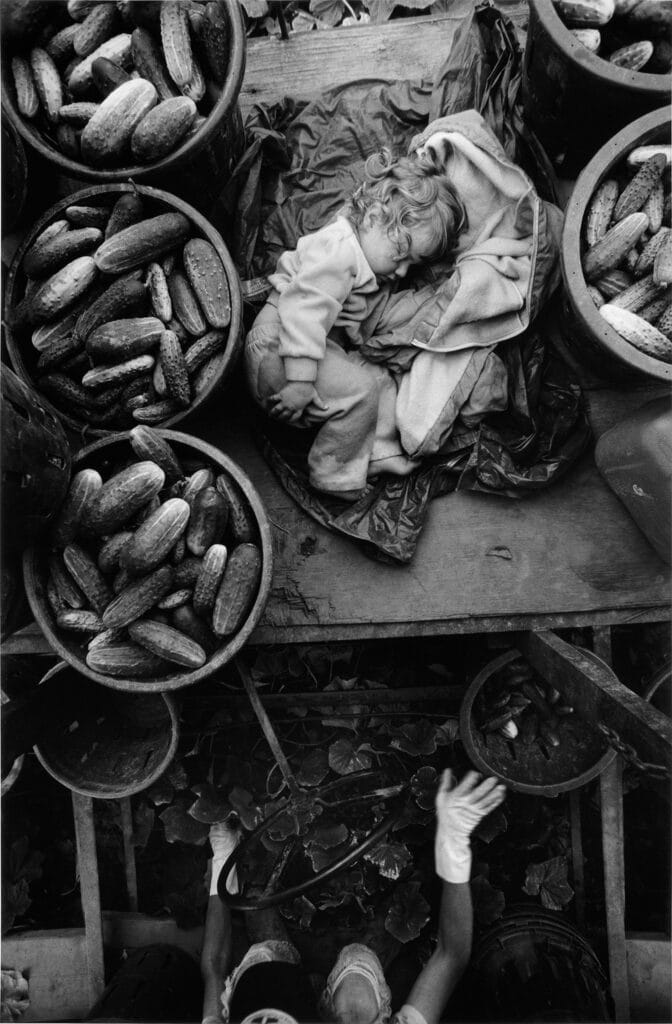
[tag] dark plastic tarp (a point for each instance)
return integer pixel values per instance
(301, 162)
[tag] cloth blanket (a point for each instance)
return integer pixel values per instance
(511, 420)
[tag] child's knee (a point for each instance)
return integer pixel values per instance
(271, 376)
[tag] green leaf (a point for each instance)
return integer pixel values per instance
(408, 913)
(329, 834)
(177, 775)
(488, 902)
(301, 911)
(329, 11)
(493, 825)
(161, 791)
(321, 858)
(212, 804)
(417, 738)
(180, 827)
(549, 881)
(247, 810)
(345, 759)
(295, 820)
(423, 787)
(390, 859)
(313, 769)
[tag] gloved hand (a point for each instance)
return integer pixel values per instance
(224, 837)
(459, 808)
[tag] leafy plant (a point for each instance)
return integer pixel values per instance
(548, 880)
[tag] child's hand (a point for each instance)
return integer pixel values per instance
(290, 402)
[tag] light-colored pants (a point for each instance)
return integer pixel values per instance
(358, 437)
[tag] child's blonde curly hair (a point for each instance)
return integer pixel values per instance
(407, 193)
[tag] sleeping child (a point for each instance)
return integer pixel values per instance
(385, 370)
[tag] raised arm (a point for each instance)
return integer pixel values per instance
(216, 952)
(459, 808)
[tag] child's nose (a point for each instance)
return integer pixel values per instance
(402, 268)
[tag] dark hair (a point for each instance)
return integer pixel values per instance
(407, 193)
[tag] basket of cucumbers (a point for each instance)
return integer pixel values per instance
(123, 306)
(514, 725)
(158, 565)
(110, 90)
(617, 255)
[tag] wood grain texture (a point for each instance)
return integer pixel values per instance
(310, 62)
(568, 555)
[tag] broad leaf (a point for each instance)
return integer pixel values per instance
(247, 810)
(295, 821)
(304, 22)
(390, 859)
(423, 787)
(417, 738)
(329, 11)
(180, 827)
(493, 825)
(321, 857)
(177, 775)
(488, 902)
(313, 769)
(212, 804)
(267, 663)
(329, 834)
(549, 881)
(161, 792)
(345, 759)
(408, 913)
(300, 910)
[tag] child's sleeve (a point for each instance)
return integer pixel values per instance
(311, 301)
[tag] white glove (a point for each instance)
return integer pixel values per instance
(223, 839)
(459, 809)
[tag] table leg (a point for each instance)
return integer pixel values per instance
(129, 852)
(611, 813)
(87, 861)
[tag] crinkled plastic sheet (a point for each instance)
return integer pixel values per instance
(301, 162)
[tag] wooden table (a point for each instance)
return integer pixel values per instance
(569, 556)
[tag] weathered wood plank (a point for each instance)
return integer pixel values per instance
(87, 863)
(568, 556)
(611, 815)
(598, 696)
(310, 62)
(569, 550)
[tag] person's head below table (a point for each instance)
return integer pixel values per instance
(271, 984)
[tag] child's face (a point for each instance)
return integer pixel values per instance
(383, 253)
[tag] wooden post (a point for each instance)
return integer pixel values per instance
(598, 696)
(611, 814)
(577, 857)
(87, 861)
(129, 852)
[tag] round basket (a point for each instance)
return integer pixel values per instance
(588, 333)
(101, 743)
(581, 756)
(35, 462)
(534, 965)
(12, 775)
(22, 354)
(15, 178)
(213, 148)
(99, 455)
(575, 100)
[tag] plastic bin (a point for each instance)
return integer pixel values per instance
(635, 459)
